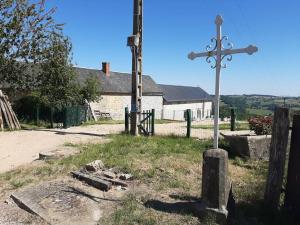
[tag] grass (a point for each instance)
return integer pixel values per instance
(102, 121)
(164, 166)
(239, 126)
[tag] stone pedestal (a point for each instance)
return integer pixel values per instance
(248, 145)
(216, 184)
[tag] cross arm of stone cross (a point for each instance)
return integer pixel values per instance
(194, 55)
(249, 50)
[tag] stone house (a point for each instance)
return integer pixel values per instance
(169, 102)
(116, 92)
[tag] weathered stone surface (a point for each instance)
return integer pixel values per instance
(59, 203)
(94, 166)
(215, 181)
(249, 146)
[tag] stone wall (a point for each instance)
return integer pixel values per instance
(115, 105)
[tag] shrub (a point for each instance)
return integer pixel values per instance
(261, 125)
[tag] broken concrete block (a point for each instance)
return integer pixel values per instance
(109, 174)
(94, 166)
(113, 181)
(93, 181)
(126, 176)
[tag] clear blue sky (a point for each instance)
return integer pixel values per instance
(172, 28)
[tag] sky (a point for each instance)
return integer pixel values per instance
(99, 29)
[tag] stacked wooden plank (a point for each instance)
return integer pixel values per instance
(7, 115)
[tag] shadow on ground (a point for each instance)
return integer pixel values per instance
(84, 194)
(71, 133)
(186, 205)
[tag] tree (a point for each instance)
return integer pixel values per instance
(91, 90)
(24, 37)
(35, 56)
(57, 86)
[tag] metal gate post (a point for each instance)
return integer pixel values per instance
(232, 119)
(126, 120)
(153, 122)
(189, 121)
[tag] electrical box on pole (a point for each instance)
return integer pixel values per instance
(135, 42)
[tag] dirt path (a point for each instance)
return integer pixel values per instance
(22, 147)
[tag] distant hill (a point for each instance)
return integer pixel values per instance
(256, 104)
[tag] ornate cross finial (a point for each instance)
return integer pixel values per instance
(219, 20)
(219, 50)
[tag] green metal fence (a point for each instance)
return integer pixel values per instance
(74, 116)
(146, 125)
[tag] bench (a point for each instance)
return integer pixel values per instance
(102, 115)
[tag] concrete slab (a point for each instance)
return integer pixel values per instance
(11, 214)
(61, 202)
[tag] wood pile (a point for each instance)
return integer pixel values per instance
(7, 115)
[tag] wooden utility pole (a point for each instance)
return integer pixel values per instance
(278, 149)
(135, 42)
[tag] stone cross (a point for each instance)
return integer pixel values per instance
(216, 53)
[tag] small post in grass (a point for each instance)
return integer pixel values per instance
(189, 123)
(126, 120)
(153, 122)
(232, 119)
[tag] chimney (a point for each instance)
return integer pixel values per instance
(105, 68)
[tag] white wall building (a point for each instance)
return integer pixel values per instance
(177, 99)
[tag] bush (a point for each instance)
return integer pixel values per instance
(261, 125)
